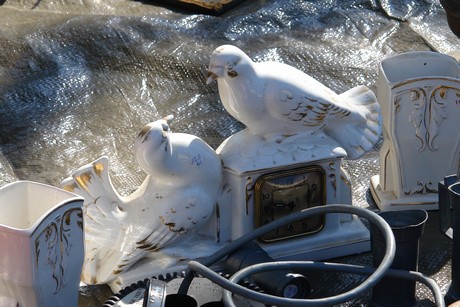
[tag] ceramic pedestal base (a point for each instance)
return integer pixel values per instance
(266, 177)
(388, 201)
(352, 237)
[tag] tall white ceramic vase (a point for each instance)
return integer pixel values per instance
(419, 96)
(41, 245)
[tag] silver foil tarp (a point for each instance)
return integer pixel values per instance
(80, 78)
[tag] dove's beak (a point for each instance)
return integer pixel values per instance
(169, 118)
(214, 72)
(211, 77)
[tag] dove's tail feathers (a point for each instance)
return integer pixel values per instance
(364, 125)
(103, 210)
(92, 181)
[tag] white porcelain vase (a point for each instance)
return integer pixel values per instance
(419, 96)
(41, 245)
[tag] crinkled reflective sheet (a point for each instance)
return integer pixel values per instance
(79, 79)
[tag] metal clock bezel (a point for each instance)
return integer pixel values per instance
(258, 203)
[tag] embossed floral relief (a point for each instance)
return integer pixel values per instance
(428, 112)
(427, 108)
(423, 188)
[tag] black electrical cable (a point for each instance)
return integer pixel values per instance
(366, 285)
(343, 268)
(232, 287)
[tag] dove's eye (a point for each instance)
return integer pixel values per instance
(232, 74)
(165, 127)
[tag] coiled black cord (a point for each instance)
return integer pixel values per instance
(370, 282)
(231, 286)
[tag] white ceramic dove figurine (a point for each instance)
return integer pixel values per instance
(176, 198)
(278, 102)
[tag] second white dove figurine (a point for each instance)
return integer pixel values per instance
(279, 102)
(178, 196)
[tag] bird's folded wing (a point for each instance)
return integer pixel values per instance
(179, 215)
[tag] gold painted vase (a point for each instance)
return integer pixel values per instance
(41, 240)
(419, 96)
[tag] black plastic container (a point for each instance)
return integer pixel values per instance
(453, 294)
(452, 8)
(445, 207)
(407, 226)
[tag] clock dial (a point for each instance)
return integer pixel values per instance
(286, 192)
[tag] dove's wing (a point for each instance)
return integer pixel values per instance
(295, 97)
(351, 118)
(180, 213)
(292, 104)
(171, 217)
(311, 110)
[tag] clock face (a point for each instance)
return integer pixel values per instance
(286, 192)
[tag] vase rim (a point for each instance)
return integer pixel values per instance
(33, 225)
